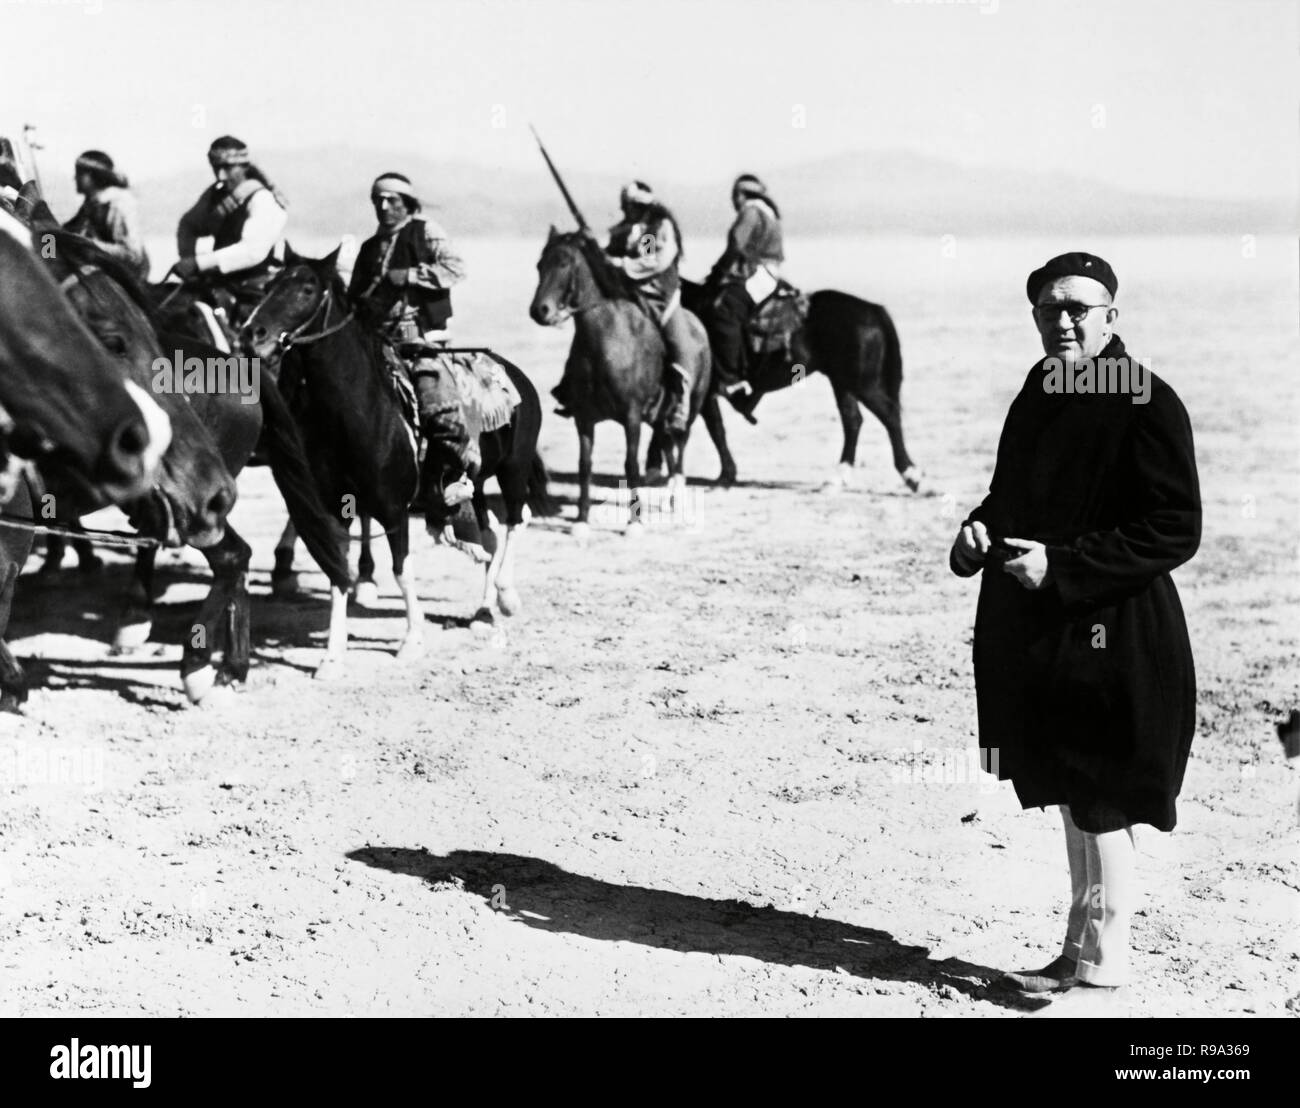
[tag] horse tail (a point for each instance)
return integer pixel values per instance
(893, 366)
(321, 533)
(540, 501)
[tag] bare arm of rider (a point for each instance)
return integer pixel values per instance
(193, 225)
(445, 267)
(262, 230)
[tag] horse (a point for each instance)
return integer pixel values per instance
(216, 431)
(365, 450)
(854, 343)
(66, 402)
(616, 365)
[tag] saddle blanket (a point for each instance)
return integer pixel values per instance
(776, 319)
(488, 398)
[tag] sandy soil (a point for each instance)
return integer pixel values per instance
(722, 770)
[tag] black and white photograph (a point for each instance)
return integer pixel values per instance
(558, 509)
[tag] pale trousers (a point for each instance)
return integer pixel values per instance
(1103, 894)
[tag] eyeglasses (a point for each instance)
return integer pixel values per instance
(1050, 313)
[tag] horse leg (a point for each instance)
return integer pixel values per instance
(632, 475)
(399, 541)
(337, 645)
(13, 682)
(87, 560)
(366, 592)
(851, 418)
(284, 582)
(660, 443)
(507, 595)
(718, 433)
(586, 436)
(135, 623)
(887, 410)
(218, 617)
(54, 548)
(484, 618)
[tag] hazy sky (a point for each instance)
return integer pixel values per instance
(1183, 96)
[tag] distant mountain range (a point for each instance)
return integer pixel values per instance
(870, 192)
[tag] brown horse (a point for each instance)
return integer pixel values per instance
(615, 365)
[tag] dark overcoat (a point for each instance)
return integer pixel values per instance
(1086, 688)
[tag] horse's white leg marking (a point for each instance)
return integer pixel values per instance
(677, 498)
(913, 477)
(507, 596)
(637, 514)
(336, 650)
(413, 643)
(842, 478)
(199, 683)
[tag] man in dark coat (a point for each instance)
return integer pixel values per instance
(1083, 668)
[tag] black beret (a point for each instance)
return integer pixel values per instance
(1072, 265)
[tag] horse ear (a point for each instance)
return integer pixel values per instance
(552, 235)
(332, 258)
(40, 214)
(291, 256)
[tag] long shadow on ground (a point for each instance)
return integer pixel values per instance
(542, 895)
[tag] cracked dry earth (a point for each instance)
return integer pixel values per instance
(723, 770)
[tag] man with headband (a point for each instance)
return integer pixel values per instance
(108, 214)
(244, 215)
(1084, 677)
(646, 247)
(401, 287)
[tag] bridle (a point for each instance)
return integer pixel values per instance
(566, 310)
(300, 335)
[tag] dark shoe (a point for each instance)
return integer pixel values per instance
(1055, 977)
(563, 413)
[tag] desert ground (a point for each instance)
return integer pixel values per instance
(725, 769)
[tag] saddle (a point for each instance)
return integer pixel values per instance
(488, 398)
(774, 322)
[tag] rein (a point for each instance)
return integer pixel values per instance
(296, 337)
(100, 538)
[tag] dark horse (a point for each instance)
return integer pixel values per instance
(358, 435)
(851, 341)
(216, 430)
(65, 402)
(616, 366)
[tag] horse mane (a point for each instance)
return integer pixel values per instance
(607, 281)
(78, 251)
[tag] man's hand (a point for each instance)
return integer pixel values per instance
(397, 277)
(1030, 568)
(971, 545)
(186, 269)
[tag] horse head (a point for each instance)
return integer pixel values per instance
(68, 402)
(295, 297)
(564, 279)
(194, 491)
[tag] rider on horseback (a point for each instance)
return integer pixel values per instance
(401, 286)
(747, 273)
(244, 214)
(108, 215)
(645, 245)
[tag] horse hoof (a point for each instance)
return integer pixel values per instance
(656, 476)
(199, 683)
(726, 479)
(582, 533)
(912, 478)
(410, 650)
(508, 600)
(11, 701)
(132, 637)
(482, 621)
(285, 586)
(331, 669)
(367, 594)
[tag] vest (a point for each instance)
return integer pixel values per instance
(409, 249)
(230, 214)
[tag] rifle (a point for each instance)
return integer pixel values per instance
(573, 208)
